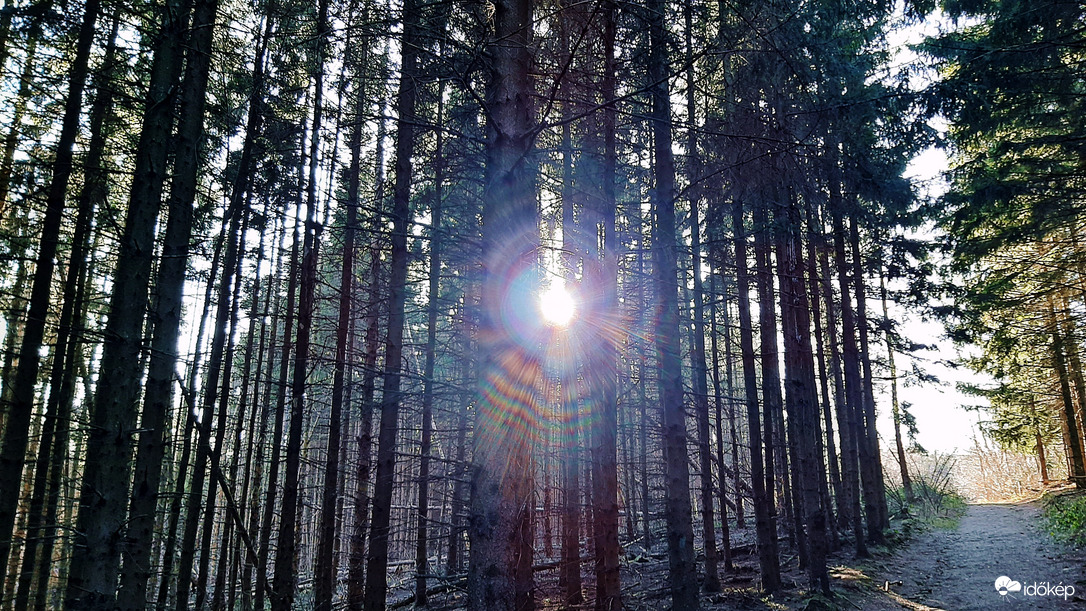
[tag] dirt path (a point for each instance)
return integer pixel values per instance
(956, 569)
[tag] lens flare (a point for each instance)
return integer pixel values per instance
(556, 306)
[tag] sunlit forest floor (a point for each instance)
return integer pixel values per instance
(947, 562)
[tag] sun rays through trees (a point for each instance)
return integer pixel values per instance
(352, 303)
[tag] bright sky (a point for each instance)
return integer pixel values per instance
(943, 425)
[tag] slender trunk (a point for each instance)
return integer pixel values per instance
(169, 547)
(355, 578)
(325, 586)
(641, 362)
(680, 534)
(772, 402)
(280, 409)
(855, 446)
(7, 594)
(848, 459)
(643, 443)
(906, 481)
(377, 562)
(284, 579)
(874, 488)
(729, 376)
(764, 522)
(221, 434)
(1038, 441)
(784, 466)
(1074, 362)
(246, 403)
(261, 399)
(817, 298)
(421, 563)
(5, 31)
(603, 365)
(701, 384)
(216, 378)
(569, 576)
(13, 325)
(187, 427)
(456, 531)
(625, 427)
(1077, 472)
(718, 399)
(60, 450)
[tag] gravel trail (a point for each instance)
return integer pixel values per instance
(957, 569)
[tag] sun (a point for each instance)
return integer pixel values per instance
(556, 305)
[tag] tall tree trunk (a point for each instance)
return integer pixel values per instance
(13, 325)
(356, 576)
(778, 471)
(284, 579)
(325, 586)
(697, 355)
(849, 470)
(718, 400)
(1039, 442)
(456, 530)
(266, 348)
(377, 562)
(250, 397)
(874, 488)
(772, 403)
(764, 522)
(225, 595)
(569, 576)
(500, 567)
(187, 426)
(729, 373)
(802, 393)
(5, 31)
(1077, 471)
(604, 367)
(217, 385)
(21, 408)
(214, 453)
(855, 445)
(680, 532)
(262, 583)
(60, 458)
(170, 285)
(421, 562)
(1074, 362)
(906, 481)
(817, 298)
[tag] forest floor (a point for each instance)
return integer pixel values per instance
(956, 568)
(950, 567)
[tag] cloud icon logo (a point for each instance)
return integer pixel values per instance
(1005, 584)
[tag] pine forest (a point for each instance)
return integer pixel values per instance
(525, 304)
